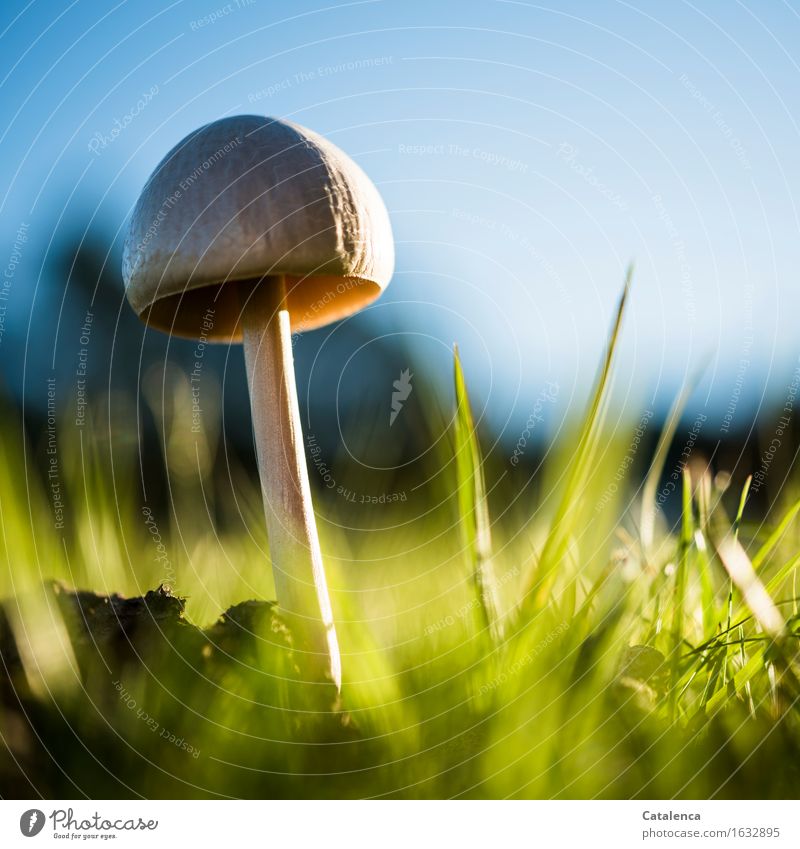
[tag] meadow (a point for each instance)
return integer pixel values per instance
(574, 644)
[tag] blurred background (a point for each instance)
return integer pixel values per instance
(526, 155)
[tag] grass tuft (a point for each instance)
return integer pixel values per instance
(627, 669)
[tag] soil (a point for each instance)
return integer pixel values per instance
(157, 701)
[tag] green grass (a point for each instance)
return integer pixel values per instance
(588, 651)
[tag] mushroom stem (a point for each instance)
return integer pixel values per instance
(300, 584)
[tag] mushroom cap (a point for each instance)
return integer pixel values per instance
(245, 198)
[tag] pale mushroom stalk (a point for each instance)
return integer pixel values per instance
(298, 572)
(249, 230)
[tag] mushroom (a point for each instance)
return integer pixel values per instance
(266, 228)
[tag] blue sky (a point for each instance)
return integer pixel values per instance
(526, 155)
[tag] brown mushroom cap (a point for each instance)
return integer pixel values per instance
(248, 197)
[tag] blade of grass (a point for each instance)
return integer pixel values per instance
(780, 576)
(742, 502)
(687, 533)
(775, 537)
(472, 507)
(743, 574)
(706, 582)
(766, 549)
(735, 530)
(747, 687)
(703, 565)
(648, 517)
(757, 598)
(739, 680)
(537, 588)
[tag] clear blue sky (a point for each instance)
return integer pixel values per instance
(526, 154)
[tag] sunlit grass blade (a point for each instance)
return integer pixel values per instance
(747, 687)
(41, 638)
(783, 573)
(757, 598)
(753, 666)
(648, 516)
(737, 522)
(771, 545)
(535, 592)
(700, 536)
(743, 574)
(775, 537)
(472, 507)
(679, 594)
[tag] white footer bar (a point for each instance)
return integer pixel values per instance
(406, 824)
